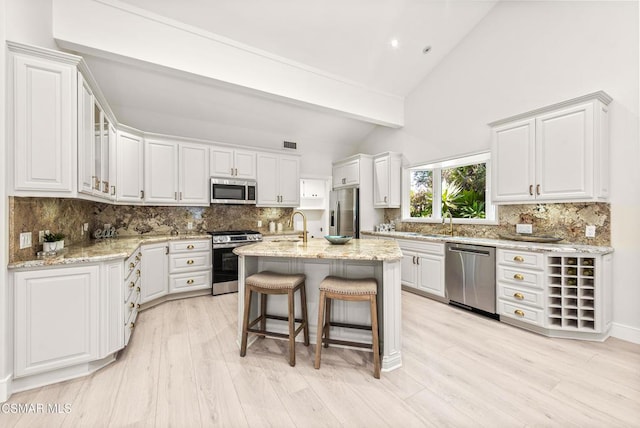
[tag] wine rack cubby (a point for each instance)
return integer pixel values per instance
(571, 292)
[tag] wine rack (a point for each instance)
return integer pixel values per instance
(571, 292)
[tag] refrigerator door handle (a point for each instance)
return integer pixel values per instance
(338, 232)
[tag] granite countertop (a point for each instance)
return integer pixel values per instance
(100, 250)
(320, 248)
(498, 243)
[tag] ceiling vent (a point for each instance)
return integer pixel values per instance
(290, 145)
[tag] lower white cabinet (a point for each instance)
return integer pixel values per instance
(189, 265)
(154, 282)
(56, 318)
(422, 266)
(111, 297)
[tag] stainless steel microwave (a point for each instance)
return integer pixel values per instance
(226, 191)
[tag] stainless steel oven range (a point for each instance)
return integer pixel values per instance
(225, 263)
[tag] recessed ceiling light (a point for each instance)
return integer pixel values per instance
(426, 49)
(394, 43)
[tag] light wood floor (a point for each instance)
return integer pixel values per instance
(182, 369)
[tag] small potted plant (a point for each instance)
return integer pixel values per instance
(53, 242)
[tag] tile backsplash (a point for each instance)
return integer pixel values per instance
(68, 215)
(567, 221)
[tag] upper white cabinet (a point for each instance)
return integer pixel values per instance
(233, 163)
(313, 193)
(130, 168)
(96, 146)
(42, 128)
(194, 174)
(559, 153)
(160, 172)
(176, 173)
(386, 180)
(346, 173)
(278, 182)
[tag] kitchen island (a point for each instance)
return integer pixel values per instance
(379, 259)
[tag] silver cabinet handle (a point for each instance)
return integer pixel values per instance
(113, 190)
(385, 199)
(142, 194)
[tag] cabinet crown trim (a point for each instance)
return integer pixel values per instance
(601, 96)
(44, 53)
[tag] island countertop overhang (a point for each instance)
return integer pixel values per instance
(318, 248)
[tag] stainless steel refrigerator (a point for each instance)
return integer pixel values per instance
(344, 212)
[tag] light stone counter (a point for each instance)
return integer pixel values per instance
(498, 243)
(320, 248)
(379, 259)
(101, 250)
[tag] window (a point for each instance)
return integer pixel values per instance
(461, 187)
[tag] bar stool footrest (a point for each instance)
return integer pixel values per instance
(347, 325)
(347, 343)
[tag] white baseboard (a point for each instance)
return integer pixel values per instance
(5, 388)
(625, 332)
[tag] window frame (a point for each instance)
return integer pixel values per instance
(491, 210)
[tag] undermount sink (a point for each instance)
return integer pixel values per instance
(286, 240)
(435, 235)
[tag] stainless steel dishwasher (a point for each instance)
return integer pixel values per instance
(470, 277)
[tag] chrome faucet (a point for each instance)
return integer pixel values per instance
(444, 218)
(304, 224)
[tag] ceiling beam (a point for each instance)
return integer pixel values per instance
(113, 28)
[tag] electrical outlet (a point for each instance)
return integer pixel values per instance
(41, 237)
(25, 240)
(259, 223)
(190, 225)
(590, 232)
(524, 228)
(86, 227)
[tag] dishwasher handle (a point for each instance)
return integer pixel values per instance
(483, 253)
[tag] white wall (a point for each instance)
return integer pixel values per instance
(526, 55)
(30, 22)
(6, 360)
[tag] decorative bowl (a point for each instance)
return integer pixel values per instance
(338, 239)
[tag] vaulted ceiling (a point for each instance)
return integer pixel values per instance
(348, 41)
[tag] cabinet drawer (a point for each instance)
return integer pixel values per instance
(132, 283)
(129, 326)
(190, 281)
(133, 262)
(521, 258)
(436, 248)
(520, 295)
(517, 276)
(189, 246)
(189, 262)
(521, 312)
(131, 306)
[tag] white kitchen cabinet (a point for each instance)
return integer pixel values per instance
(190, 265)
(160, 172)
(132, 292)
(96, 145)
(194, 175)
(278, 182)
(556, 294)
(111, 310)
(154, 282)
(313, 194)
(130, 168)
(386, 180)
(42, 131)
(232, 163)
(56, 318)
(422, 267)
(556, 154)
(346, 173)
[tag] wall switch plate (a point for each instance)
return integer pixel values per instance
(590, 232)
(25, 240)
(259, 223)
(85, 227)
(524, 228)
(190, 225)
(41, 237)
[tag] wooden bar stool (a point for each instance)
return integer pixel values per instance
(267, 283)
(333, 287)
